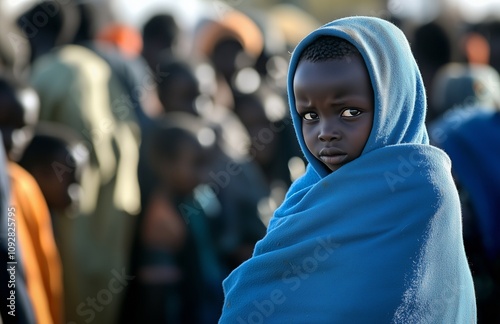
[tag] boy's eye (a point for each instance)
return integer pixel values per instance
(351, 112)
(310, 116)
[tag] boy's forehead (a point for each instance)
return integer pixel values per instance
(309, 71)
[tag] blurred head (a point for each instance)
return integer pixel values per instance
(86, 30)
(176, 153)
(55, 158)
(250, 110)
(490, 32)
(431, 45)
(178, 88)
(231, 42)
(159, 36)
(49, 23)
(19, 108)
(225, 55)
(463, 86)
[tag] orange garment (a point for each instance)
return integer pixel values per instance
(35, 242)
(126, 38)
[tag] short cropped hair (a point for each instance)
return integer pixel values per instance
(327, 48)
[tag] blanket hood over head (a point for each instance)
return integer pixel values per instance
(380, 239)
(400, 102)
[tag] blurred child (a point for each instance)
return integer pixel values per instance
(55, 157)
(179, 275)
(236, 226)
(271, 145)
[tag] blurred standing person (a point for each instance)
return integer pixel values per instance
(467, 97)
(469, 114)
(235, 223)
(23, 310)
(478, 178)
(77, 88)
(460, 90)
(120, 46)
(432, 49)
(34, 240)
(178, 273)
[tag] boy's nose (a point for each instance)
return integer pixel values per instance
(329, 132)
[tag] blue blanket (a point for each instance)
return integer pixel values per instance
(380, 239)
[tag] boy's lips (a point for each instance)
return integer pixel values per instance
(332, 155)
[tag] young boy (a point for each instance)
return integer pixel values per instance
(372, 231)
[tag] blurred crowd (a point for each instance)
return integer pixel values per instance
(142, 165)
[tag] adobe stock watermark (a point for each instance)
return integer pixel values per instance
(451, 120)
(292, 279)
(104, 297)
(406, 168)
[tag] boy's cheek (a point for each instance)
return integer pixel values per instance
(308, 139)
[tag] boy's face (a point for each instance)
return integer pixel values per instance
(335, 100)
